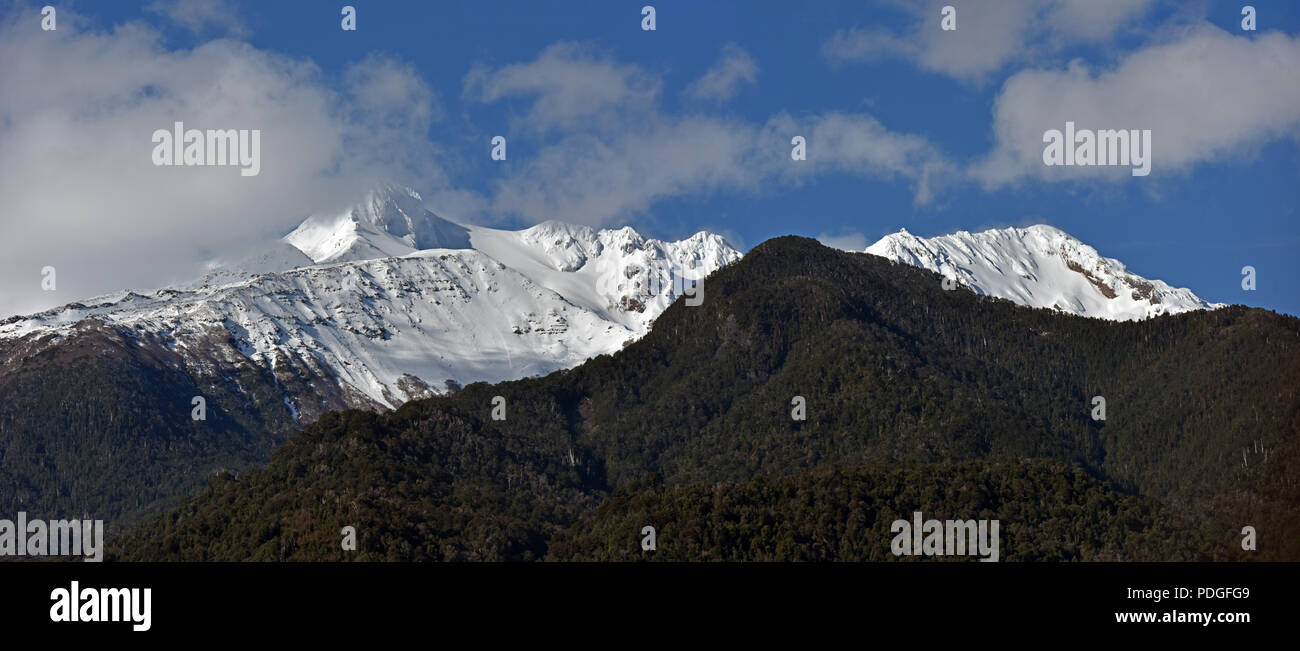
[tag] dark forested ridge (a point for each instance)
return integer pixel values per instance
(96, 422)
(898, 375)
(99, 426)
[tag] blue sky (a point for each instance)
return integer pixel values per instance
(609, 125)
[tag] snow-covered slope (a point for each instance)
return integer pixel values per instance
(279, 256)
(395, 303)
(392, 221)
(1040, 266)
(387, 302)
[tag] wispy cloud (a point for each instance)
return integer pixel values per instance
(733, 69)
(202, 16)
(614, 163)
(568, 84)
(989, 35)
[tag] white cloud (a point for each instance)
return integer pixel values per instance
(1205, 94)
(734, 68)
(391, 97)
(599, 178)
(859, 144)
(616, 163)
(989, 35)
(78, 190)
(1092, 20)
(570, 83)
(198, 16)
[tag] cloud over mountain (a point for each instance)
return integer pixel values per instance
(77, 110)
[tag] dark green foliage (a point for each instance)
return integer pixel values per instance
(895, 371)
(423, 484)
(1049, 511)
(100, 426)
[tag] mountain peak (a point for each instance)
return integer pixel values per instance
(1047, 230)
(385, 301)
(390, 221)
(1041, 266)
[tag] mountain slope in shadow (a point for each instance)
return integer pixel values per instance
(897, 374)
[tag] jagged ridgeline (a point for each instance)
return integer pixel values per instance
(917, 398)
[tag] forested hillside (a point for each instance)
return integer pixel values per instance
(101, 425)
(896, 372)
(1048, 511)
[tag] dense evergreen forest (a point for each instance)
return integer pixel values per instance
(100, 426)
(917, 399)
(1051, 511)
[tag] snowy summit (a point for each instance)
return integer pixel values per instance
(393, 303)
(1040, 266)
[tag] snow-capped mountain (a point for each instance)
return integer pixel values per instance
(391, 221)
(387, 302)
(1040, 266)
(391, 302)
